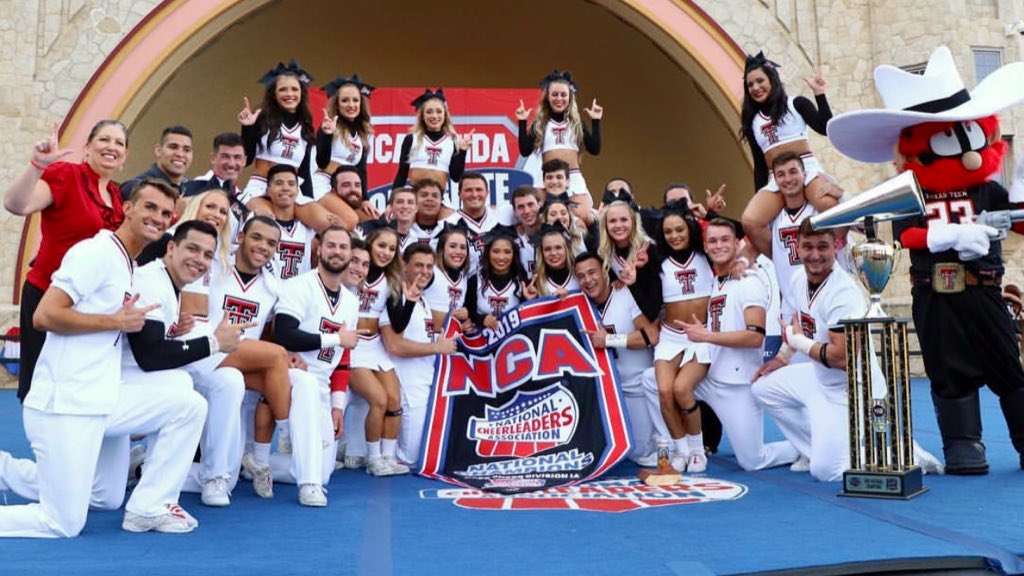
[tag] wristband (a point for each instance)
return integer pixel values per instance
(36, 165)
(329, 341)
(615, 341)
(339, 400)
(647, 341)
(797, 341)
(823, 355)
(214, 344)
(755, 328)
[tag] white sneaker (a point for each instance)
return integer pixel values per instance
(679, 461)
(216, 493)
(312, 495)
(284, 444)
(136, 458)
(397, 466)
(174, 521)
(927, 461)
(649, 461)
(385, 467)
(353, 462)
(177, 509)
(262, 479)
(697, 462)
(802, 464)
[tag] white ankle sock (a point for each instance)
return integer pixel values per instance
(261, 453)
(696, 442)
(389, 447)
(679, 444)
(373, 450)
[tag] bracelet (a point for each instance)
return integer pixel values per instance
(647, 341)
(615, 341)
(823, 355)
(36, 165)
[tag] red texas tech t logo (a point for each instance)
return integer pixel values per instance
(685, 279)
(788, 237)
(433, 154)
(498, 305)
(808, 324)
(716, 306)
(239, 310)
(328, 327)
(291, 254)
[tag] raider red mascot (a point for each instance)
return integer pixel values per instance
(949, 138)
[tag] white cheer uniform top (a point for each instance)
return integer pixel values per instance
(618, 316)
(81, 373)
(445, 293)
(305, 298)
(790, 128)
(346, 149)
(243, 302)
(729, 300)
(289, 147)
(294, 250)
(428, 154)
(837, 298)
(415, 374)
(558, 136)
(154, 286)
(682, 281)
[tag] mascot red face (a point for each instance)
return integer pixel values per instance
(947, 156)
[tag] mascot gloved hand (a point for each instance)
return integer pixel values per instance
(949, 138)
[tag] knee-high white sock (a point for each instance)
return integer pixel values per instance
(389, 447)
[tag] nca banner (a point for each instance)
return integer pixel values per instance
(486, 114)
(528, 406)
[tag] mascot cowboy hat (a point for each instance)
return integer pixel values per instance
(938, 95)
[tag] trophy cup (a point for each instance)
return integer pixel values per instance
(881, 436)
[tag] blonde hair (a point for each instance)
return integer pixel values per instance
(191, 212)
(362, 122)
(420, 128)
(540, 272)
(637, 237)
(393, 269)
(572, 114)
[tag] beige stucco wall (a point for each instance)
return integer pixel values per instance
(50, 48)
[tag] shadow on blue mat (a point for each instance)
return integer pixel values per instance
(383, 526)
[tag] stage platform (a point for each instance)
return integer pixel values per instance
(776, 521)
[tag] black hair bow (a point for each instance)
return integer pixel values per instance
(500, 231)
(429, 94)
(292, 68)
(370, 226)
(621, 194)
(562, 198)
(332, 88)
(758, 61)
(556, 228)
(557, 76)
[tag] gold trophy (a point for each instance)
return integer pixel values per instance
(881, 430)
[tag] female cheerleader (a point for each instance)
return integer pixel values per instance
(432, 149)
(447, 293)
(372, 373)
(554, 273)
(628, 252)
(343, 138)
(557, 209)
(499, 286)
(212, 207)
(774, 123)
(281, 132)
(559, 133)
(679, 365)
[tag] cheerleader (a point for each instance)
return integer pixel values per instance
(447, 292)
(499, 286)
(372, 373)
(629, 253)
(213, 207)
(554, 274)
(679, 365)
(558, 132)
(773, 123)
(432, 149)
(557, 210)
(281, 131)
(343, 139)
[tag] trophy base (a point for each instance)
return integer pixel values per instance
(662, 476)
(887, 485)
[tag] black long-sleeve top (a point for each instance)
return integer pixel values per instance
(324, 143)
(591, 137)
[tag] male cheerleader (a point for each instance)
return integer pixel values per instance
(295, 248)
(414, 349)
(475, 216)
(735, 331)
(316, 318)
(79, 412)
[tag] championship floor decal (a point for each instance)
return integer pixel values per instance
(607, 495)
(528, 406)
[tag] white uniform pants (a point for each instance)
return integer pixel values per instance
(355, 426)
(312, 433)
(73, 451)
(812, 416)
(743, 422)
(410, 435)
(650, 390)
(20, 476)
(221, 442)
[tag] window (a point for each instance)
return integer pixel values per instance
(986, 61)
(915, 68)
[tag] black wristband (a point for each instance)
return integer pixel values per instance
(823, 355)
(647, 341)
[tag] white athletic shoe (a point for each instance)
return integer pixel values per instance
(262, 479)
(697, 462)
(312, 495)
(680, 461)
(397, 466)
(384, 467)
(353, 462)
(802, 464)
(177, 509)
(649, 461)
(929, 463)
(216, 492)
(136, 458)
(174, 521)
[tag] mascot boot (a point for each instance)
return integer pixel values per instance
(1013, 410)
(960, 425)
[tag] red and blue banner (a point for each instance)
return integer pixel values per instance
(529, 406)
(486, 113)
